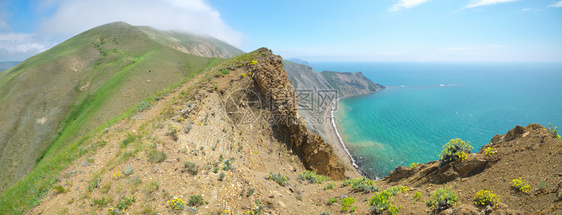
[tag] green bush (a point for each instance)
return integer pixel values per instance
(381, 202)
(486, 197)
(346, 203)
(455, 149)
(191, 167)
(176, 204)
(417, 196)
(442, 198)
(156, 156)
(329, 186)
(123, 204)
(332, 201)
(312, 177)
(362, 184)
(279, 178)
(196, 200)
(143, 106)
(520, 186)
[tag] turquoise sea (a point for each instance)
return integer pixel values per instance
(427, 104)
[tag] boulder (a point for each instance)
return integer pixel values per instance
(474, 164)
(400, 173)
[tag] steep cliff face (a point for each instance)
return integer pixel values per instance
(351, 84)
(280, 96)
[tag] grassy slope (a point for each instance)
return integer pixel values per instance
(117, 78)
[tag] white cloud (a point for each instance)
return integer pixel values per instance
(478, 3)
(557, 4)
(195, 16)
(406, 4)
(4, 26)
(16, 46)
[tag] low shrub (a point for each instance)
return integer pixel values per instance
(417, 196)
(332, 201)
(279, 178)
(381, 202)
(103, 201)
(490, 151)
(191, 167)
(128, 170)
(486, 197)
(196, 200)
(143, 106)
(117, 175)
(329, 186)
(122, 205)
(520, 186)
(362, 184)
(455, 149)
(554, 131)
(347, 203)
(312, 177)
(176, 204)
(414, 165)
(156, 156)
(442, 198)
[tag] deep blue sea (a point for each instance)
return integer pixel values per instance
(427, 104)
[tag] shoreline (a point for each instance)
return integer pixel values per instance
(334, 138)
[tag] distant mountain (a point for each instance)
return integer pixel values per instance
(351, 84)
(316, 90)
(50, 99)
(299, 61)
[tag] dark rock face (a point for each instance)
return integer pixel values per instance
(278, 94)
(400, 173)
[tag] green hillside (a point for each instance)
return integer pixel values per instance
(51, 100)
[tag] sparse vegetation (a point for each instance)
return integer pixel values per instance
(59, 189)
(332, 201)
(520, 186)
(191, 167)
(486, 197)
(196, 200)
(455, 149)
(381, 202)
(143, 106)
(176, 204)
(554, 131)
(362, 184)
(279, 178)
(123, 204)
(347, 203)
(442, 198)
(329, 187)
(490, 151)
(417, 196)
(128, 170)
(222, 176)
(156, 156)
(103, 201)
(312, 177)
(251, 191)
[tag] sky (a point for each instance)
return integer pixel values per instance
(329, 30)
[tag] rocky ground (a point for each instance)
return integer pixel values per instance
(214, 137)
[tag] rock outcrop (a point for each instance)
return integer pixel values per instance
(279, 95)
(351, 84)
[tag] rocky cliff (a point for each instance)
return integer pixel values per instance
(351, 84)
(279, 94)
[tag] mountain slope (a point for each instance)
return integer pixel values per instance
(350, 84)
(52, 98)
